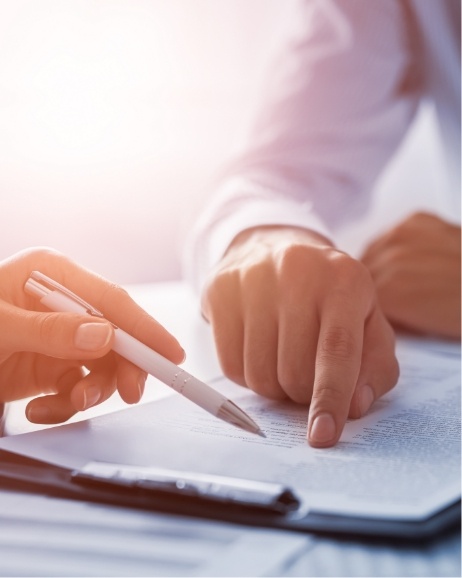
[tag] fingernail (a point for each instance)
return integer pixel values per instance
(366, 399)
(91, 336)
(323, 429)
(91, 396)
(39, 414)
(184, 356)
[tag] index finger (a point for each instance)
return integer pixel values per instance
(117, 306)
(112, 300)
(337, 367)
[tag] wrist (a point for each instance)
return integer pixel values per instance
(279, 234)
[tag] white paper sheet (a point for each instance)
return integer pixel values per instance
(401, 461)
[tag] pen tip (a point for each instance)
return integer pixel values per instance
(232, 414)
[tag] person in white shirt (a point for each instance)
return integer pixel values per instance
(68, 356)
(292, 315)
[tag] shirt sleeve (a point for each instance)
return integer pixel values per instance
(340, 99)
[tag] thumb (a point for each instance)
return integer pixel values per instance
(63, 335)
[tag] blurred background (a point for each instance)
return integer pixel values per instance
(116, 115)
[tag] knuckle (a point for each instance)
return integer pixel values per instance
(342, 261)
(291, 260)
(217, 284)
(117, 291)
(233, 369)
(253, 278)
(143, 323)
(287, 379)
(264, 382)
(219, 288)
(48, 327)
(351, 277)
(327, 396)
(354, 293)
(297, 392)
(353, 271)
(114, 293)
(297, 389)
(336, 343)
(40, 257)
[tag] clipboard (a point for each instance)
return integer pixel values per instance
(224, 499)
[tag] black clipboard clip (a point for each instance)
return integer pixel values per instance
(270, 497)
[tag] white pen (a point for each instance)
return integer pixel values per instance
(58, 298)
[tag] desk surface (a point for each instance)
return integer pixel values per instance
(174, 306)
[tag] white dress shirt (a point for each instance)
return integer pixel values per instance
(342, 96)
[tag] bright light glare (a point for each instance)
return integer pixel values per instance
(115, 115)
(88, 84)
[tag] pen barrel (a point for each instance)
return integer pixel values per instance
(175, 377)
(61, 303)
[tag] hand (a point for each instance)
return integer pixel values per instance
(294, 317)
(416, 270)
(65, 355)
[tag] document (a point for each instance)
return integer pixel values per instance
(401, 461)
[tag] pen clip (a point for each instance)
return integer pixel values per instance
(40, 285)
